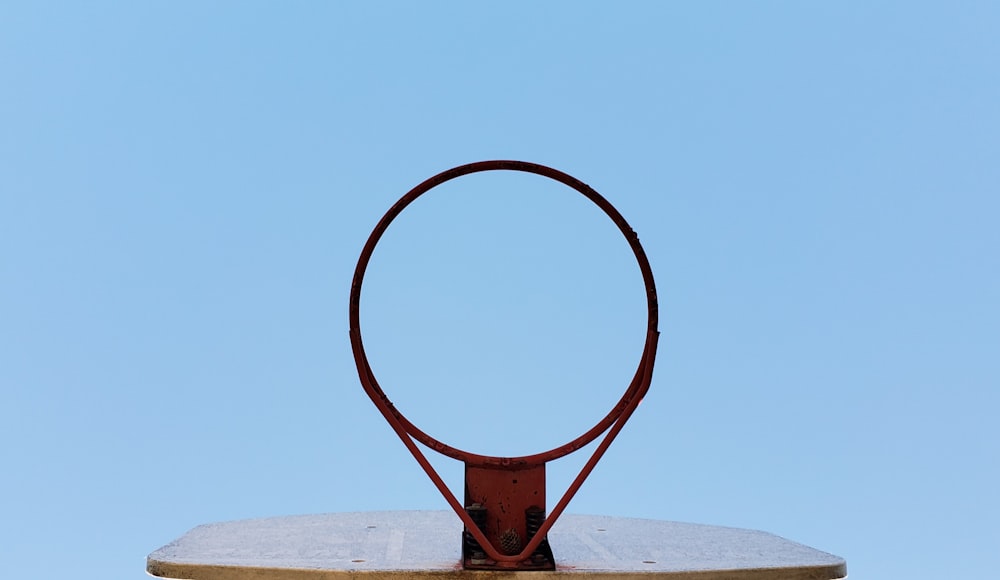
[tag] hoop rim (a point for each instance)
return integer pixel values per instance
(637, 387)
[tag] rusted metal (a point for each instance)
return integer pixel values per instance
(504, 508)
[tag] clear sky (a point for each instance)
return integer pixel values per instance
(185, 188)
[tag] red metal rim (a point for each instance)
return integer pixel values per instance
(637, 387)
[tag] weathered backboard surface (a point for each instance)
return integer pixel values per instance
(409, 544)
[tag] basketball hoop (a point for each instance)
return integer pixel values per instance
(504, 506)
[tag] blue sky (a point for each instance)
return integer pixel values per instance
(185, 188)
